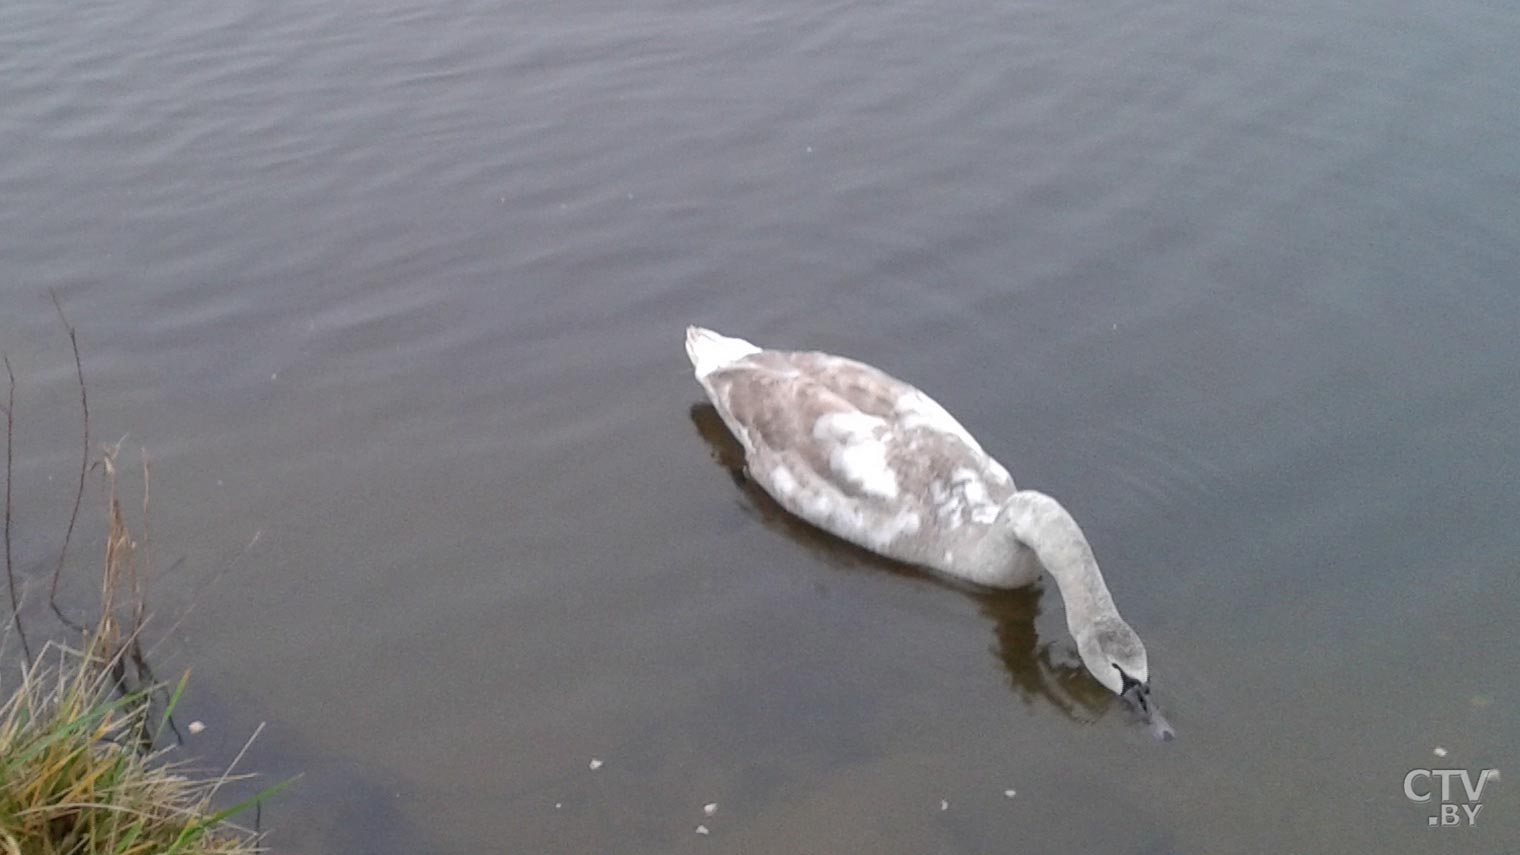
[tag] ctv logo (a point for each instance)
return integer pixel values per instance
(1420, 787)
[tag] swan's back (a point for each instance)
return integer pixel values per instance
(790, 390)
(854, 450)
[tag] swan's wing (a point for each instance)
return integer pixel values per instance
(776, 412)
(819, 456)
(866, 434)
(874, 392)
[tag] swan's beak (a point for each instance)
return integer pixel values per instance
(1138, 696)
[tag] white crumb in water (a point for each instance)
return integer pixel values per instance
(197, 726)
(702, 829)
(595, 764)
(1010, 793)
(558, 805)
(710, 808)
(1440, 752)
(944, 805)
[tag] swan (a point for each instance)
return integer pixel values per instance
(875, 461)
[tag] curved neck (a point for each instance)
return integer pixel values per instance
(1043, 525)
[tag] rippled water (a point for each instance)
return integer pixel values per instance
(395, 294)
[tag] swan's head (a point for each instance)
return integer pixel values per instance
(1114, 654)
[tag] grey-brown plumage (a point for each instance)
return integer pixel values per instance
(866, 456)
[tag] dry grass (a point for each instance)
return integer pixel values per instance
(77, 775)
(83, 770)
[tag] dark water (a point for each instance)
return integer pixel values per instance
(395, 294)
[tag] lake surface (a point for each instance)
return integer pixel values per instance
(394, 295)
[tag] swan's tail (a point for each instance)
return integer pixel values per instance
(710, 351)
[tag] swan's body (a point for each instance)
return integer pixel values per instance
(877, 462)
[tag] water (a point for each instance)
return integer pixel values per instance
(394, 296)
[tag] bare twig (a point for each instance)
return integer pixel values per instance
(134, 650)
(10, 424)
(199, 590)
(84, 464)
(227, 775)
(114, 644)
(10, 572)
(139, 598)
(118, 556)
(116, 640)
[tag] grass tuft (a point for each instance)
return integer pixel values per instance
(77, 777)
(82, 770)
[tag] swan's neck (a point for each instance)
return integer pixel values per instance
(1043, 525)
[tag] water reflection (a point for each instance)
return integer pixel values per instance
(1048, 670)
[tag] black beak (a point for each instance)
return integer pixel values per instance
(1137, 696)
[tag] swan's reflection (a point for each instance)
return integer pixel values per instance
(1050, 670)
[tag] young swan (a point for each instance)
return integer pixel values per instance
(875, 461)
(1112, 652)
